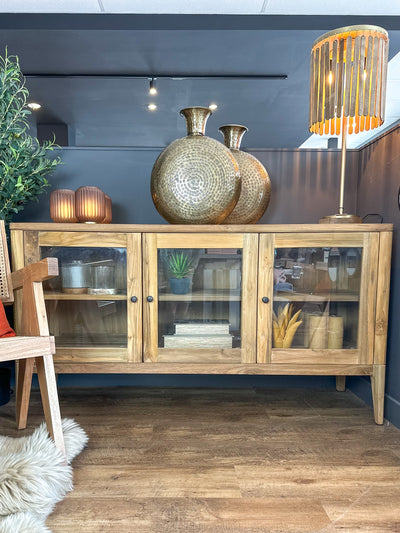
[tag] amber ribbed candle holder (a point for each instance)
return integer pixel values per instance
(90, 204)
(62, 206)
(108, 217)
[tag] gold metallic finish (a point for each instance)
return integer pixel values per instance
(195, 180)
(196, 119)
(256, 185)
(341, 219)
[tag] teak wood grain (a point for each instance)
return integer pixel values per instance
(256, 355)
(150, 288)
(231, 228)
(249, 298)
(265, 289)
(134, 289)
(383, 290)
(70, 238)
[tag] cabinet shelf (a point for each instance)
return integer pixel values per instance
(64, 296)
(306, 297)
(203, 296)
(235, 296)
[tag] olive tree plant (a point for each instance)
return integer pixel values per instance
(23, 161)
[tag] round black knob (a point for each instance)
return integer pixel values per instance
(134, 299)
(149, 298)
(265, 299)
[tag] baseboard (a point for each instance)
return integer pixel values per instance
(362, 388)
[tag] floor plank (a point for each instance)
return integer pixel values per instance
(226, 461)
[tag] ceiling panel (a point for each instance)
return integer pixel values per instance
(329, 7)
(269, 7)
(179, 7)
(49, 6)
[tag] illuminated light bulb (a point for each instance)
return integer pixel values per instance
(330, 78)
(213, 107)
(153, 88)
(152, 107)
(34, 106)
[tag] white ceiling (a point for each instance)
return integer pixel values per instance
(249, 7)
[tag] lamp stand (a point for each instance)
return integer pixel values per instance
(342, 217)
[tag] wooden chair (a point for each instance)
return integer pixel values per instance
(33, 344)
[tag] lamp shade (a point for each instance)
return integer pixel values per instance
(90, 204)
(62, 206)
(348, 80)
(108, 217)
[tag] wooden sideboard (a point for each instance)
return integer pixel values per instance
(121, 313)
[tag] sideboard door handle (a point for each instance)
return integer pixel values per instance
(149, 298)
(134, 299)
(265, 299)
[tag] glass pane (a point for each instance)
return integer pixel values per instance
(98, 323)
(87, 270)
(86, 304)
(316, 297)
(199, 295)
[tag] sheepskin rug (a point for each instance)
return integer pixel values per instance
(34, 477)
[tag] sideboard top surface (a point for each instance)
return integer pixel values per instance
(172, 228)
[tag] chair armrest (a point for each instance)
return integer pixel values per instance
(14, 348)
(45, 269)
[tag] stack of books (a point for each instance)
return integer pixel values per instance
(199, 334)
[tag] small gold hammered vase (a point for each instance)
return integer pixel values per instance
(256, 185)
(195, 180)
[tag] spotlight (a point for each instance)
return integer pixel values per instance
(152, 107)
(153, 89)
(34, 106)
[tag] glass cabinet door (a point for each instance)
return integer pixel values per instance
(317, 299)
(89, 306)
(198, 292)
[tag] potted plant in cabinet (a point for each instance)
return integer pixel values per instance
(179, 267)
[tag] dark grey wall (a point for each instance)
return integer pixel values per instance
(304, 183)
(304, 188)
(379, 181)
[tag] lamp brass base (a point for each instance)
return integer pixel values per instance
(341, 219)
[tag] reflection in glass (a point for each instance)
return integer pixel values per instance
(76, 323)
(199, 298)
(316, 297)
(86, 304)
(87, 270)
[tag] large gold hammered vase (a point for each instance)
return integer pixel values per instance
(195, 180)
(256, 185)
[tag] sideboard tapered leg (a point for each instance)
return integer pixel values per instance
(378, 391)
(340, 383)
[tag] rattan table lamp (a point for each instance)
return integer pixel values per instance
(348, 89)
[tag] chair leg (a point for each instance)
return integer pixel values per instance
(23, 388)
(51, 407)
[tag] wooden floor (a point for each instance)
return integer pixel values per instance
(219, 461)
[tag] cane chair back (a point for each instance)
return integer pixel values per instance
(6, 291)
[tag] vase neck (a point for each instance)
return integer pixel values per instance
(233, 134)
(196, 119)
